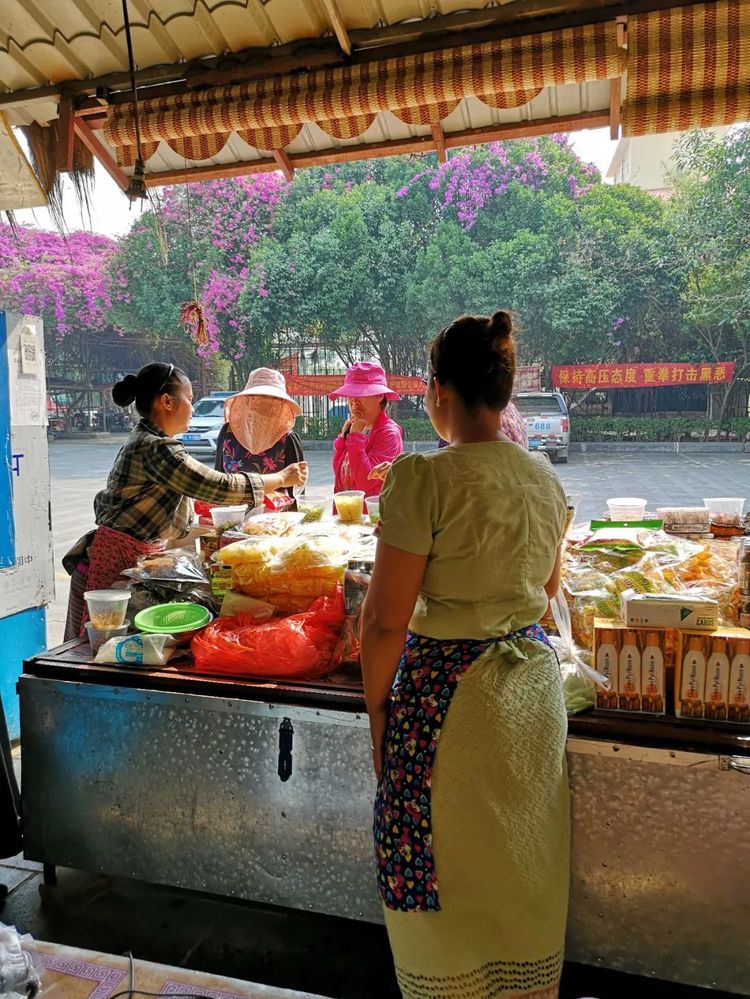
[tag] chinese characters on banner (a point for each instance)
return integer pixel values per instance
(528, 379)
(655, 375)
(320, 385)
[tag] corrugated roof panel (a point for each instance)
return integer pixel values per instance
(76, 39)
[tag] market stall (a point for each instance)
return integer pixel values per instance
(239, 764)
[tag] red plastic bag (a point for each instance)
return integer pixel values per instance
(203, 509)
(300, 646)
(278, 502)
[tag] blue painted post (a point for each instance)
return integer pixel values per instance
(26, 562)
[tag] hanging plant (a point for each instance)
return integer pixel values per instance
(193, 318)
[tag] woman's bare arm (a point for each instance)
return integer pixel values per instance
(394, 589)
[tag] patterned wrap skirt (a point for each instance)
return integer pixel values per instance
(99, 568)
(473, 842)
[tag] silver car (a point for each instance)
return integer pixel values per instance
(204, 427)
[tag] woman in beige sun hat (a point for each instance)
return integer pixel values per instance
(258, 434)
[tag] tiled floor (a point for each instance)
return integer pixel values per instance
(290, 950)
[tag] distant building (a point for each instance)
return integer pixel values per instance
(646, 160)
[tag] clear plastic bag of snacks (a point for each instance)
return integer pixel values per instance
(273, 524)
(595, 575)
(301, 570)
(175, 565)
(356, 584)
(579, 678)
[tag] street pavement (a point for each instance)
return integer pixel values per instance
(79, 469)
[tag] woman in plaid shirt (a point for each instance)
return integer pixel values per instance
(148, 497)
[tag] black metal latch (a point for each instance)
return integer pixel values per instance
(286, 744)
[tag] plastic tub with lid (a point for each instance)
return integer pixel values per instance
(626, 508)
(725, 511)
(107, 608)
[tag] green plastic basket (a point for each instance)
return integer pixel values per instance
(172, 619)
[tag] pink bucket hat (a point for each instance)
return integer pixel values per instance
(265, 382)
(365, 379)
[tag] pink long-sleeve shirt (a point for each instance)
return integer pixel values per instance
(355, 455)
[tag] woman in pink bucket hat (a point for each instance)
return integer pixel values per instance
(369, 437)
(258, 434)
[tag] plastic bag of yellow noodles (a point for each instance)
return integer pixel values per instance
(300, 571)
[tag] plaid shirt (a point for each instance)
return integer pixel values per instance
(148, 489)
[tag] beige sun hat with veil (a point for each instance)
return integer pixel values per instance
(263, 412)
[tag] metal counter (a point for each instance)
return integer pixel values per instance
(264, 792)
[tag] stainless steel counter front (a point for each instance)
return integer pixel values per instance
(249, 797)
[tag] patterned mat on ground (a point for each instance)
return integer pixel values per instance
(82, 974)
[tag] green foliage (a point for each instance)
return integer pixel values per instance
(710, 239)
(373, 258)
(317, 429)
(654, 429)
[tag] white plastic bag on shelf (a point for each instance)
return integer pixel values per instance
(137, 650)
(19, 978)
(579, 678)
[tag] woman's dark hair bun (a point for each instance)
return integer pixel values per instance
(477, 356)
(500, 326)
(125, 391)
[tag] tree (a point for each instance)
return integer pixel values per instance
(708, 219)
(528, 226)
(65, 280)
(198, 244)
(337, 266)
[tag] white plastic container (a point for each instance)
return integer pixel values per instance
(725, 511)
(98, 636)
(373, 508)
(626, 508)
(227, 517)
(350, 506)
(107, 608)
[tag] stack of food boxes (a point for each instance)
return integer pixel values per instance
(663, 636)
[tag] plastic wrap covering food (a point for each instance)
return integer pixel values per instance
(251, 552)
(356, 584)
(296, 647)
(19, 973)
(273, 524)
(176, 565)
(598, 568)
(278, 502)
(295, 575)
(579, 678)
(152, 593)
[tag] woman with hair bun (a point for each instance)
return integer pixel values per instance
(467, 716)
(148, 497)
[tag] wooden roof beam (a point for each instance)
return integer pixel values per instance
(376, 150)
(284, 164)
(615, 112)
(339, 28)
(438, 137)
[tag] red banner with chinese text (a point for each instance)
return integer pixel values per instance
(654, 375)
(319, 385)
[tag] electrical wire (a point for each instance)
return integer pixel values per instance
(132, 991)
(131, 67)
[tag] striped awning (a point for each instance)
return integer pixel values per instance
(420, 89)
(688, 67)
